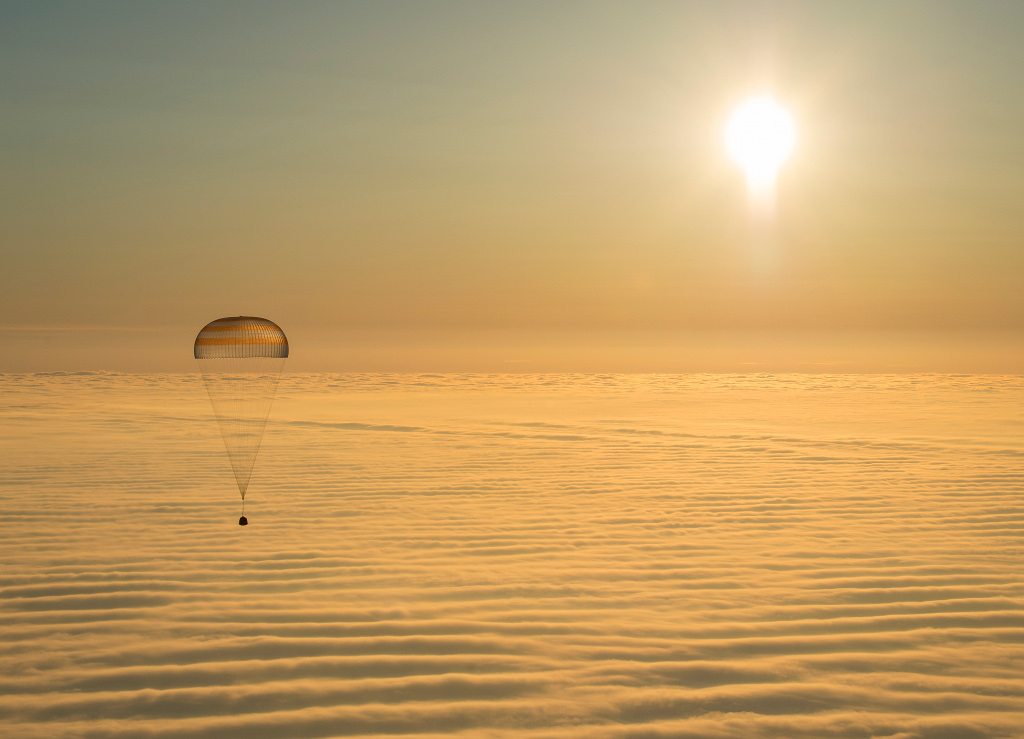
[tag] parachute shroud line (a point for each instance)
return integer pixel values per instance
(241, 359)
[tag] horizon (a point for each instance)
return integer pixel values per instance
(166, 349)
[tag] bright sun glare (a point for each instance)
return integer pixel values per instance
(760, 137)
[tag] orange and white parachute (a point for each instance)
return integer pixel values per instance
(241, 359)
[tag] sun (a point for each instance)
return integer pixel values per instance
(760, 136)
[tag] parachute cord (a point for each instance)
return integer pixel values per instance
(243, 506)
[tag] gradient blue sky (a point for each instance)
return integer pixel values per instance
(529, 166)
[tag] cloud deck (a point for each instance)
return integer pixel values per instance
(516, 556)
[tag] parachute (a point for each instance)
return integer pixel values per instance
(241, 359)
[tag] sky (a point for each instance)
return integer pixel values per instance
(457, 185)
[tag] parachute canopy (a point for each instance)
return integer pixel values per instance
(242, 337)
(241, 359)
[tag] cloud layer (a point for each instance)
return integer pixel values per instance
(552, 556)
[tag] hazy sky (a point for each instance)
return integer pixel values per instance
(508, 166)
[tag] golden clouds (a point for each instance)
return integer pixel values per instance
(554, 555)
